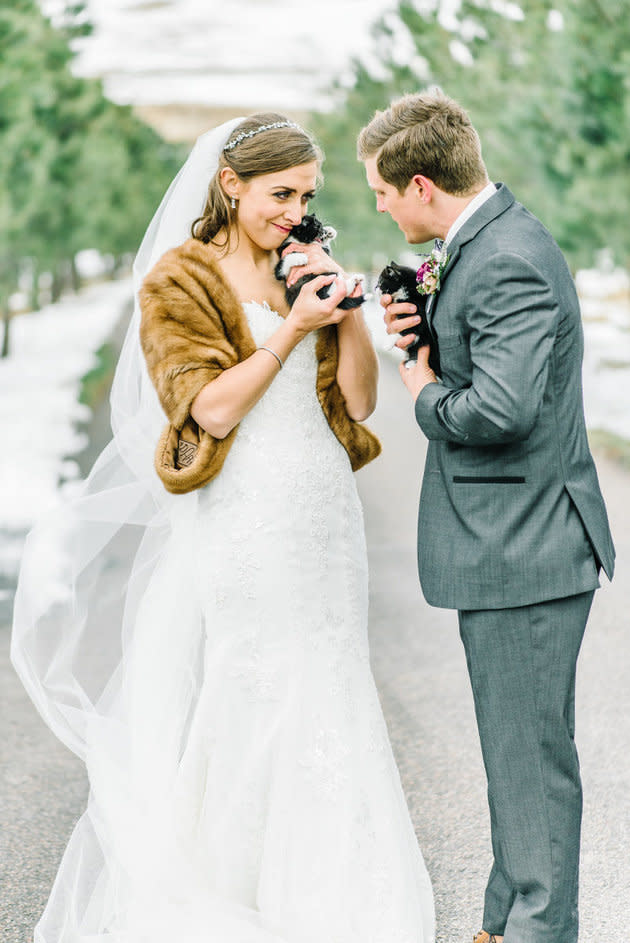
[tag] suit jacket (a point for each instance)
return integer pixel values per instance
(511, 511)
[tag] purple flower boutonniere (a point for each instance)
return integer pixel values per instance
(430, 272)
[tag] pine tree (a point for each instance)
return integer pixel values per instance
(76, 170)
(547, 86)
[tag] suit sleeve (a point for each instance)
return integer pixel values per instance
(513, 324)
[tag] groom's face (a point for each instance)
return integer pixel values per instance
(409, 210)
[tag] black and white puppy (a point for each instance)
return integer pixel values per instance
(311, 229)
(400, 282)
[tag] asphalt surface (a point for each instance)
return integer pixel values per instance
(420, 670)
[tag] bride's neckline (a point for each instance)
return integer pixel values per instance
(266, 306)
(226, 279)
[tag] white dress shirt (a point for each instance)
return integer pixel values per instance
(463, 217)
(472, 207)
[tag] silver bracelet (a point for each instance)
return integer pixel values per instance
(274, 354)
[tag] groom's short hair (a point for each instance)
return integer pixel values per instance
(425, 133)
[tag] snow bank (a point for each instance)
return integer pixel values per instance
(51, 350)
(606, 369)
(596, 283)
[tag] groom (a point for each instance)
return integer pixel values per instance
(512, 528)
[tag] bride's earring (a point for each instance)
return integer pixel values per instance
(233, 203)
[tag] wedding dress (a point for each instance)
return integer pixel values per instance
(242, 784)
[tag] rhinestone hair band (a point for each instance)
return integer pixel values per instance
(264, 127)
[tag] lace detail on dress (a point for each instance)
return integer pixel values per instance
(267, 807)
(315, 799)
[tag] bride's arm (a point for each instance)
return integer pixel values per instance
(221, 404)
(357, 373)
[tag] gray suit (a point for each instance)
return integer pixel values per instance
(512, 532)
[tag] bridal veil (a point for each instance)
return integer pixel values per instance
(80, 619)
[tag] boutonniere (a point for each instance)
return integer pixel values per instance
(430, 272)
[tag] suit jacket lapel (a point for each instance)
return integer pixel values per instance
(487, 212)
(432, 303)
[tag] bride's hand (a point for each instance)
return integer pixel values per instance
(310, 312)
(318, 261)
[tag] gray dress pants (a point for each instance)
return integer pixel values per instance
(522, 665)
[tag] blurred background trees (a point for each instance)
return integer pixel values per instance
(547, 85)
(76, 170)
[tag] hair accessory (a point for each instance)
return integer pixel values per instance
(264, 127)
(274, 353)
(233, 203)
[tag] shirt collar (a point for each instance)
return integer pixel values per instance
(471, 208)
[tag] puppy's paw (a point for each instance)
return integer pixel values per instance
(290, 261)
(401, 294)
(352, 280)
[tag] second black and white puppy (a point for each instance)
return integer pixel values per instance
(311, 229)
(400, 282)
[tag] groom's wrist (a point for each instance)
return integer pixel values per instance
(422, 381)
(425, 408)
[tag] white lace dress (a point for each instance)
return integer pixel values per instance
(283, 818)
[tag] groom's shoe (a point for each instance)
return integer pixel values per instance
(484, 937)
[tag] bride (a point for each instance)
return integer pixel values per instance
(199, 636)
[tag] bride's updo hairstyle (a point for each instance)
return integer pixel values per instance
(264, 143)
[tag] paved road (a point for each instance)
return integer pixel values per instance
(420, 670)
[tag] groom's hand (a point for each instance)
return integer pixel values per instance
(398, 316)
(416, 374)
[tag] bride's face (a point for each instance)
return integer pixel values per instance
(270, 205)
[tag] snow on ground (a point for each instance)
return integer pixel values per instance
(51, 350)
(607, 365)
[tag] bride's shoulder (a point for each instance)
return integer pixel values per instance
(187, 285)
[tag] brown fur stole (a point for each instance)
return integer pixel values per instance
(193, 327)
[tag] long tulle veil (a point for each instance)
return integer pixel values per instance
(81, 622)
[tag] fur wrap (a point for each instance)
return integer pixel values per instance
(193, 327)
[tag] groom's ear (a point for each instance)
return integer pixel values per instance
(423, 187)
